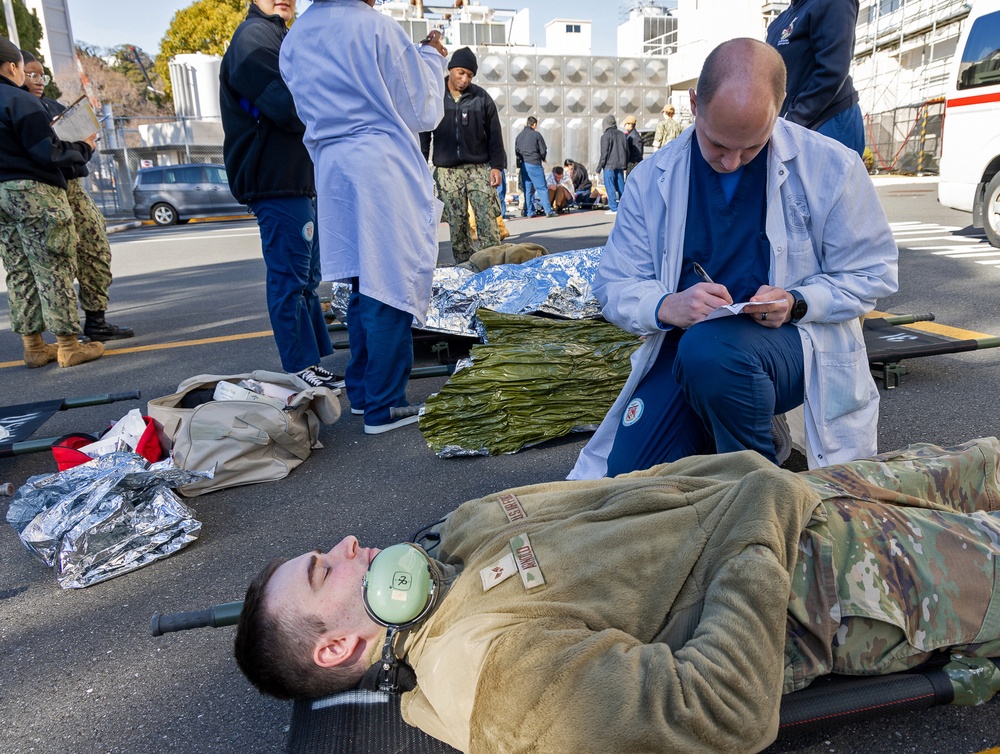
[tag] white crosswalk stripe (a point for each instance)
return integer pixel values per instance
(973, 248)
(921, 229)
(967, 253)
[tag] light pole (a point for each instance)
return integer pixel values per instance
(8, 7)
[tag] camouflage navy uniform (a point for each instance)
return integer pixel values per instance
(898, 562)
(93, 252)
(458, 187)
(38, 247)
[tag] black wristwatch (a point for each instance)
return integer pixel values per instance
(799, 306)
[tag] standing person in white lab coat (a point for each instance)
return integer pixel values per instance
(364, 92)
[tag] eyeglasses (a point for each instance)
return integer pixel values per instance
(43, 77)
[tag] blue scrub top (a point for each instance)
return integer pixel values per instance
(725, 231)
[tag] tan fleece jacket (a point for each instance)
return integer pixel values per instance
(660, 626)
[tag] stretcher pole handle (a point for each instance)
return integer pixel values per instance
(443, 370)
(27, 446)
(97, 400)
(908, 319)
(226, 614)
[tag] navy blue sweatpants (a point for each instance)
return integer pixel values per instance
(381, 356)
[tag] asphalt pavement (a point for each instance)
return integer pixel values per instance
(79, 671)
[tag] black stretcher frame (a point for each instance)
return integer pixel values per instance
(355, 722)
(889, 342)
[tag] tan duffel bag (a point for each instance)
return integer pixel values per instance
(244, 441)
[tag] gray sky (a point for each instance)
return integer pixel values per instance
(106, 23)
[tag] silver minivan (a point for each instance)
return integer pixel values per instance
(175, 193)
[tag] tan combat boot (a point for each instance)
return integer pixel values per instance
(38, 353)
(73, 352)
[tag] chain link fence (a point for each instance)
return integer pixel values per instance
(128, 144)
(907, 139)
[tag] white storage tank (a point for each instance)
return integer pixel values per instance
(194, 78)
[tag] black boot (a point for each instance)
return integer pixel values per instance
(95, 328)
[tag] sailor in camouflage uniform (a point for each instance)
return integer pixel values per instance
(93, 252)
(468, 157)
(37, 237)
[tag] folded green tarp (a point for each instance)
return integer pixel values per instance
(533, 380)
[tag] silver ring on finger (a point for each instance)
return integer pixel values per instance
(763, 316)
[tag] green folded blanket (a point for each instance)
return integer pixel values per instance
(535, 379)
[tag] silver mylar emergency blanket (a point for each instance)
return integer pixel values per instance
(555, 284)
(105, 518)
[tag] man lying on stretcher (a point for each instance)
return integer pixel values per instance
(663, 610)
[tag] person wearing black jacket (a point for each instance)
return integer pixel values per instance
(468, 157)
(584, 193)
(270, 170)
(816, 40)
(37, 237)
(531, 151)
(93, 252)
(635, 145)
(614, 160)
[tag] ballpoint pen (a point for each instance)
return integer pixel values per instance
(701, 271)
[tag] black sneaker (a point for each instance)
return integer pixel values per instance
(312, 377)
(335, 380)
(103, 331)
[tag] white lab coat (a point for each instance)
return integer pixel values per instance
(364, 92)
(830, 240)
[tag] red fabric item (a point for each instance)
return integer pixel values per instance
(67, 454)
(149, 443)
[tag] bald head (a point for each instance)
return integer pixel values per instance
(739, 95)
(740, 69)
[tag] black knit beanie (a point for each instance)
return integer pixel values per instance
(464, 58)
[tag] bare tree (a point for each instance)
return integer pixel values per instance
(122, 84)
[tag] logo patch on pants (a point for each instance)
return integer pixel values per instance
(308, 230)
(633, 412)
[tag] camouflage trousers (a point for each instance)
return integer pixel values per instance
(898, 562)
(93, 253)
(38, 248)
(459, 187)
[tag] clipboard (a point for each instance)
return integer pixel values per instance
(77, 122)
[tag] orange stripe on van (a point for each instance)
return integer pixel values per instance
(979, 99)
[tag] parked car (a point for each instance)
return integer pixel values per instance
(175, 193)
(970, 157)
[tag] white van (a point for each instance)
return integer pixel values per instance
(970, 157)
